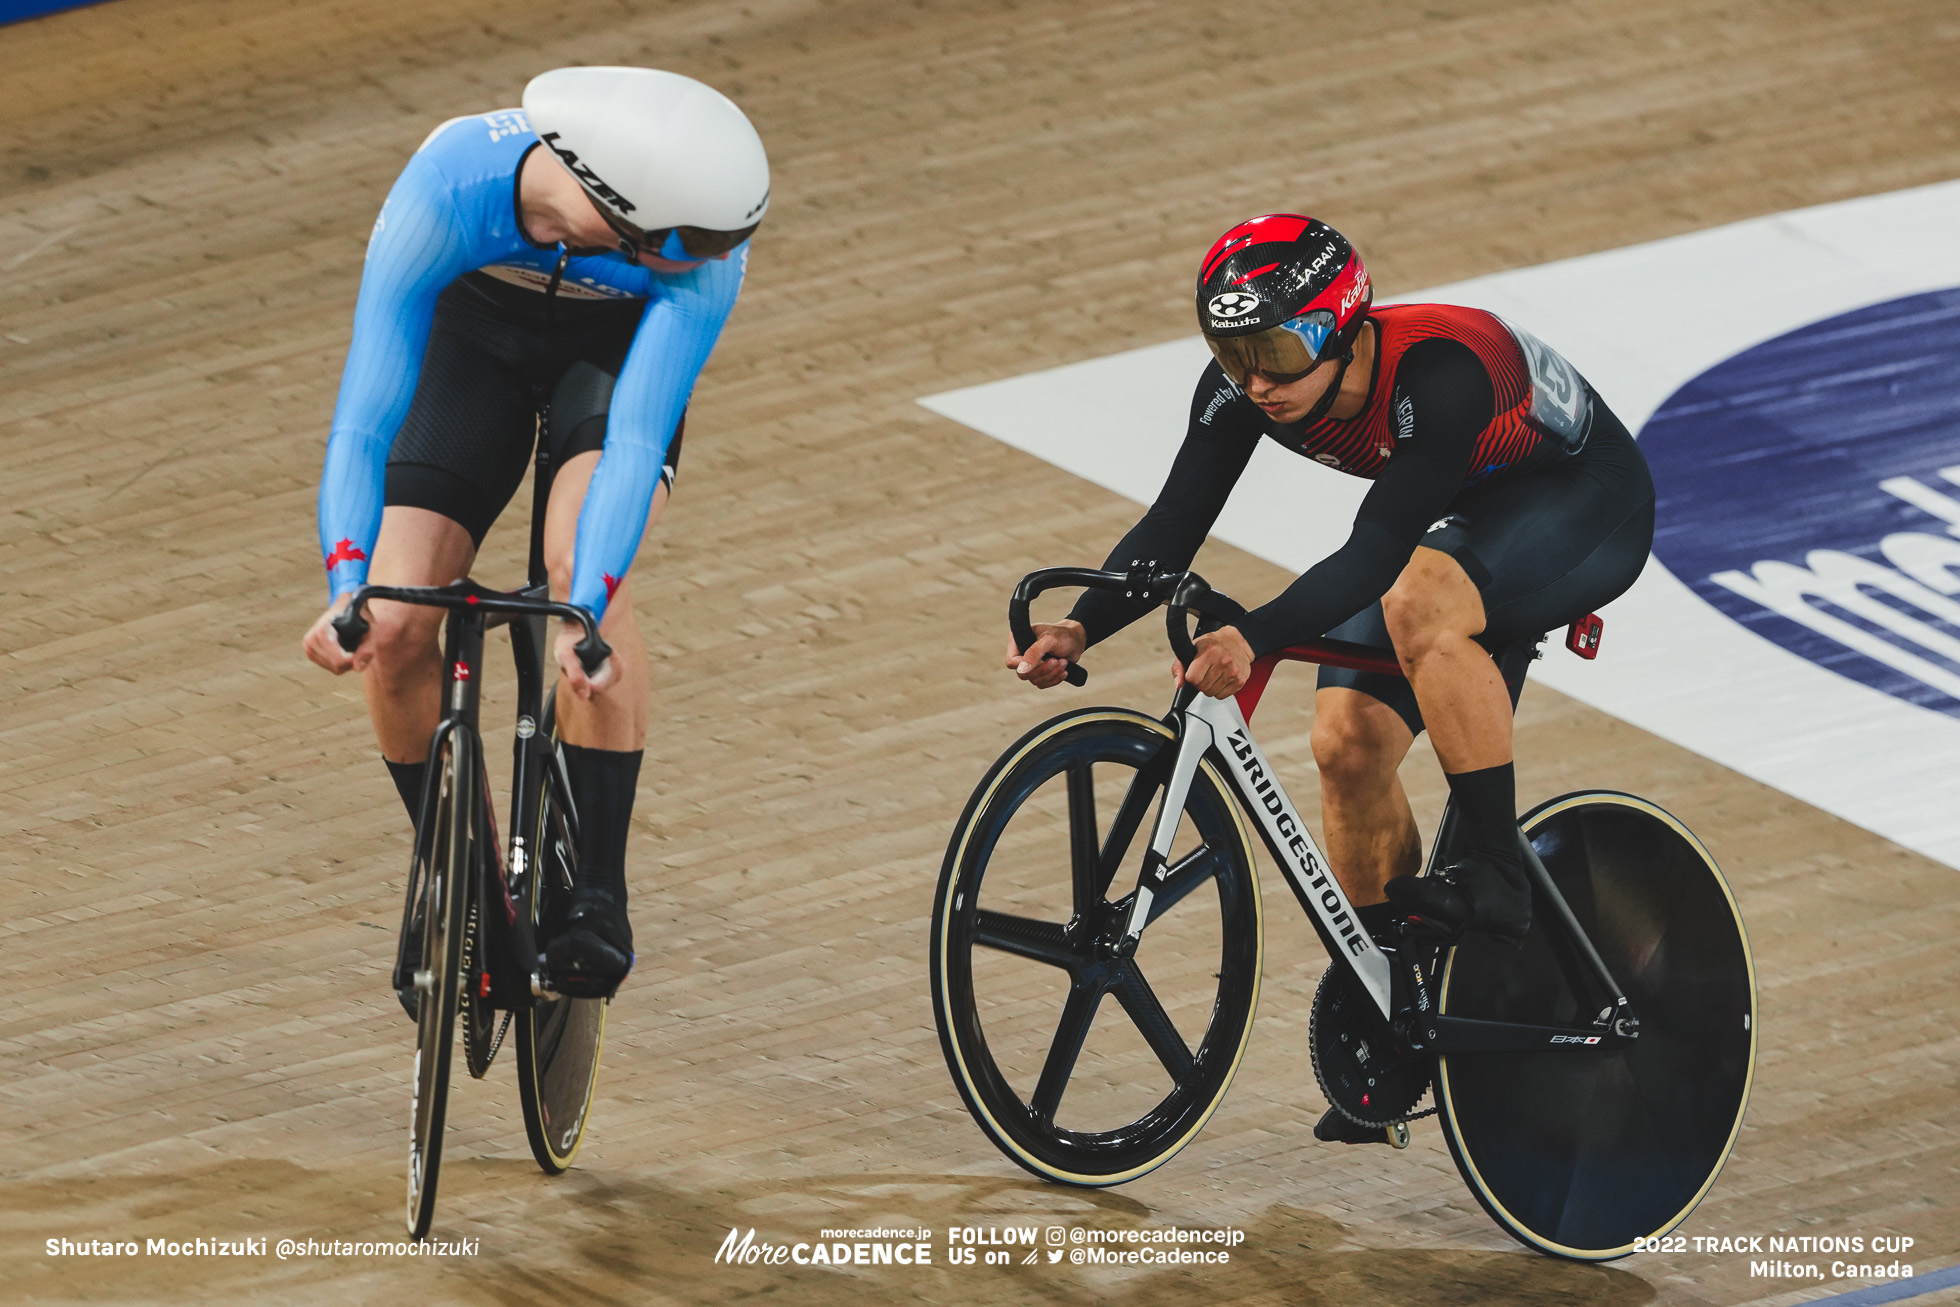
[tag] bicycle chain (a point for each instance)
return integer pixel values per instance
(504, 1029)
(466, 1006)
(469, 956)
(1431, 1110)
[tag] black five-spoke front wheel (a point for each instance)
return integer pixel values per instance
(1083, 1064)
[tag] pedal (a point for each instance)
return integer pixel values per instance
(550, 989)
(588, 987)
(1398, 1135)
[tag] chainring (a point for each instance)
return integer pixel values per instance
(1365, 1079)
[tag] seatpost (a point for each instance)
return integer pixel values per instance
(540, 496)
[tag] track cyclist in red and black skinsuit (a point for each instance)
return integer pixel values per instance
(1508, 500)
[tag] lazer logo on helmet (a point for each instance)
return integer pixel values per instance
(1233, 304)
(585, 174)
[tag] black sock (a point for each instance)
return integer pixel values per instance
(409, 778)
(1487, 804)
(1379, 919)
(603, 781)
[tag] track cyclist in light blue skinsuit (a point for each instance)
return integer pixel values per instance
(560, 273)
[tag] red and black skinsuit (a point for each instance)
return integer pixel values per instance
(1548, 526)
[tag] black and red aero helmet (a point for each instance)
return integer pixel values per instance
(1280, 293)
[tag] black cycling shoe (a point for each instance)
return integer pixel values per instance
(594, 952)
(1336, 1127)
(1479, 893)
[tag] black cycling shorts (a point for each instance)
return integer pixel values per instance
(1544, 549)
(500, 374)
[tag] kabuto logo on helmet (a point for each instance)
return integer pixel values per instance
(1310, 296)
(1233, 304)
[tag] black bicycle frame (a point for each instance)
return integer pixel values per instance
(472, 610)
(1396, 980)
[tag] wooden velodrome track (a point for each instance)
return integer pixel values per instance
(203, 856)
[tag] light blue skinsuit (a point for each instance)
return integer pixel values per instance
(452, 211)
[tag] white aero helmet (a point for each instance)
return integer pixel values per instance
(673, 166)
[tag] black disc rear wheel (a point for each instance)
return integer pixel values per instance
(1581, 1155)
(1068, 1085)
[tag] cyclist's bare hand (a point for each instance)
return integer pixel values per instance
(568, 665)
(322, 644)
(1045, 662)
(1223, 664)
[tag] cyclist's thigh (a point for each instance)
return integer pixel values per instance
(417, 547)
(561, 524)
(1368, 627)
(575, 433)
(463, 448)
(1558, 542)
(581, 401)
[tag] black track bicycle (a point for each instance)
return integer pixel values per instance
(474, 917)
(1094, 982)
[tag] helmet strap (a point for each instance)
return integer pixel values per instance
(1326, 401)
(557, 279)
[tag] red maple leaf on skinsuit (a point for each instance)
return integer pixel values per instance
(612, 584)
(344, 552)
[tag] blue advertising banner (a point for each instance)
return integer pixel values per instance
(12, 11)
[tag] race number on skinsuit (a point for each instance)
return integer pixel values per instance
(1560, 402)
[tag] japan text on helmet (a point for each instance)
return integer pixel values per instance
(1278, 294)
(673, 166)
